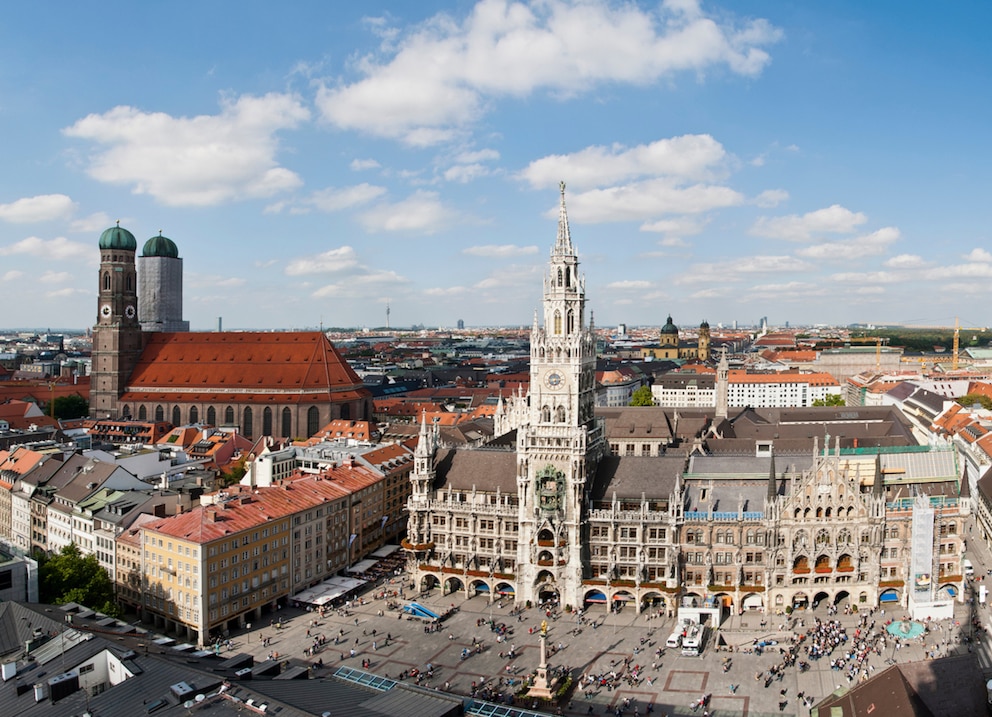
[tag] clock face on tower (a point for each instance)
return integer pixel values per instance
(129, 312)
(105, 310)
(553, 379)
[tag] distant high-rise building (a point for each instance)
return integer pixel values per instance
(461, 324)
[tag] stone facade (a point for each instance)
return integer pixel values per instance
(559, 507)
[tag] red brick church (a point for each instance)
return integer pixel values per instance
(284, 384)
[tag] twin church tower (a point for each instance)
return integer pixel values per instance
(130, 306)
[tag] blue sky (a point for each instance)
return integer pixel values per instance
(808, 162)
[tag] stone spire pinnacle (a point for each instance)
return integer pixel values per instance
(563, 245)
(772, 484)
(878, 487)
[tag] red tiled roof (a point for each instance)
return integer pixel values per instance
(252, 367)
(247, 507)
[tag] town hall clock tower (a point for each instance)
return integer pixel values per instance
(561, 442)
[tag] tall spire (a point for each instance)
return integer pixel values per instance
(878, 487)
(563, 245)
(772, 485)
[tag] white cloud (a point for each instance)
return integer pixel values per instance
(872, 244)
(959, 271)
(12, 275)
(430, 83)
(333, 200)
(362, 286)
(359, 165)
(95, 222)
(464, 173)
(57, 248)
(230, 282)
(737, 269)
(693, 157)
(499, 251)
(834, 219)
(66, 292)
(54, 277)
(978, 254)
(675, 228)
(421, 212)
(482, 155)
(334, 260)
(905, 261)
(771, 198)
(867, 277)
(446, 292)
(42, 208)
(195, 161)
(629, 285)
(645, 200)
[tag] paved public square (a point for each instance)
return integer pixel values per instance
(393, 643)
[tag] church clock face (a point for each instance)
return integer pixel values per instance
(553, 379)
(129, 311)
(105, 310)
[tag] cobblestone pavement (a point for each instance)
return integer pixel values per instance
(393, 643)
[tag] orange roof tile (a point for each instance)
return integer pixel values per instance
(250, 366)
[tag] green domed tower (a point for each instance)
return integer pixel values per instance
(669, 334)
(117, 339)
(160, 286)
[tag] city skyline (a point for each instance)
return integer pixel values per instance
(723, 161)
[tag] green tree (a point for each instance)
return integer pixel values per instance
(68, 576)
(832, 399)
(642, 397)
(970, 399)
(74, 406)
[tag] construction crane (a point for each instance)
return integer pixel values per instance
(957, 339)
(877, 340)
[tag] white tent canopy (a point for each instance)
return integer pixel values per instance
(362, 566)
(330, 589)
(385, 551)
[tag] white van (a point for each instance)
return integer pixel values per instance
(674, 640)
(969, 569)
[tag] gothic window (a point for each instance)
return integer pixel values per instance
(829, 511)
(801, 540)
(822, 537)
(287, 422)
(545, 415)
(267, 421)
(561, 414)
(313, 421)
(559, 278)
(246, 427)
(570, 324)
(229, 416)
(557, 323)
(126, 411)
(176, 416)
(194, 414)
(129, 285)
(568, 276)
(212, 416)
(142, 413)
(844, 537)
(106, 282)
(159, 413)
(540, 353)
